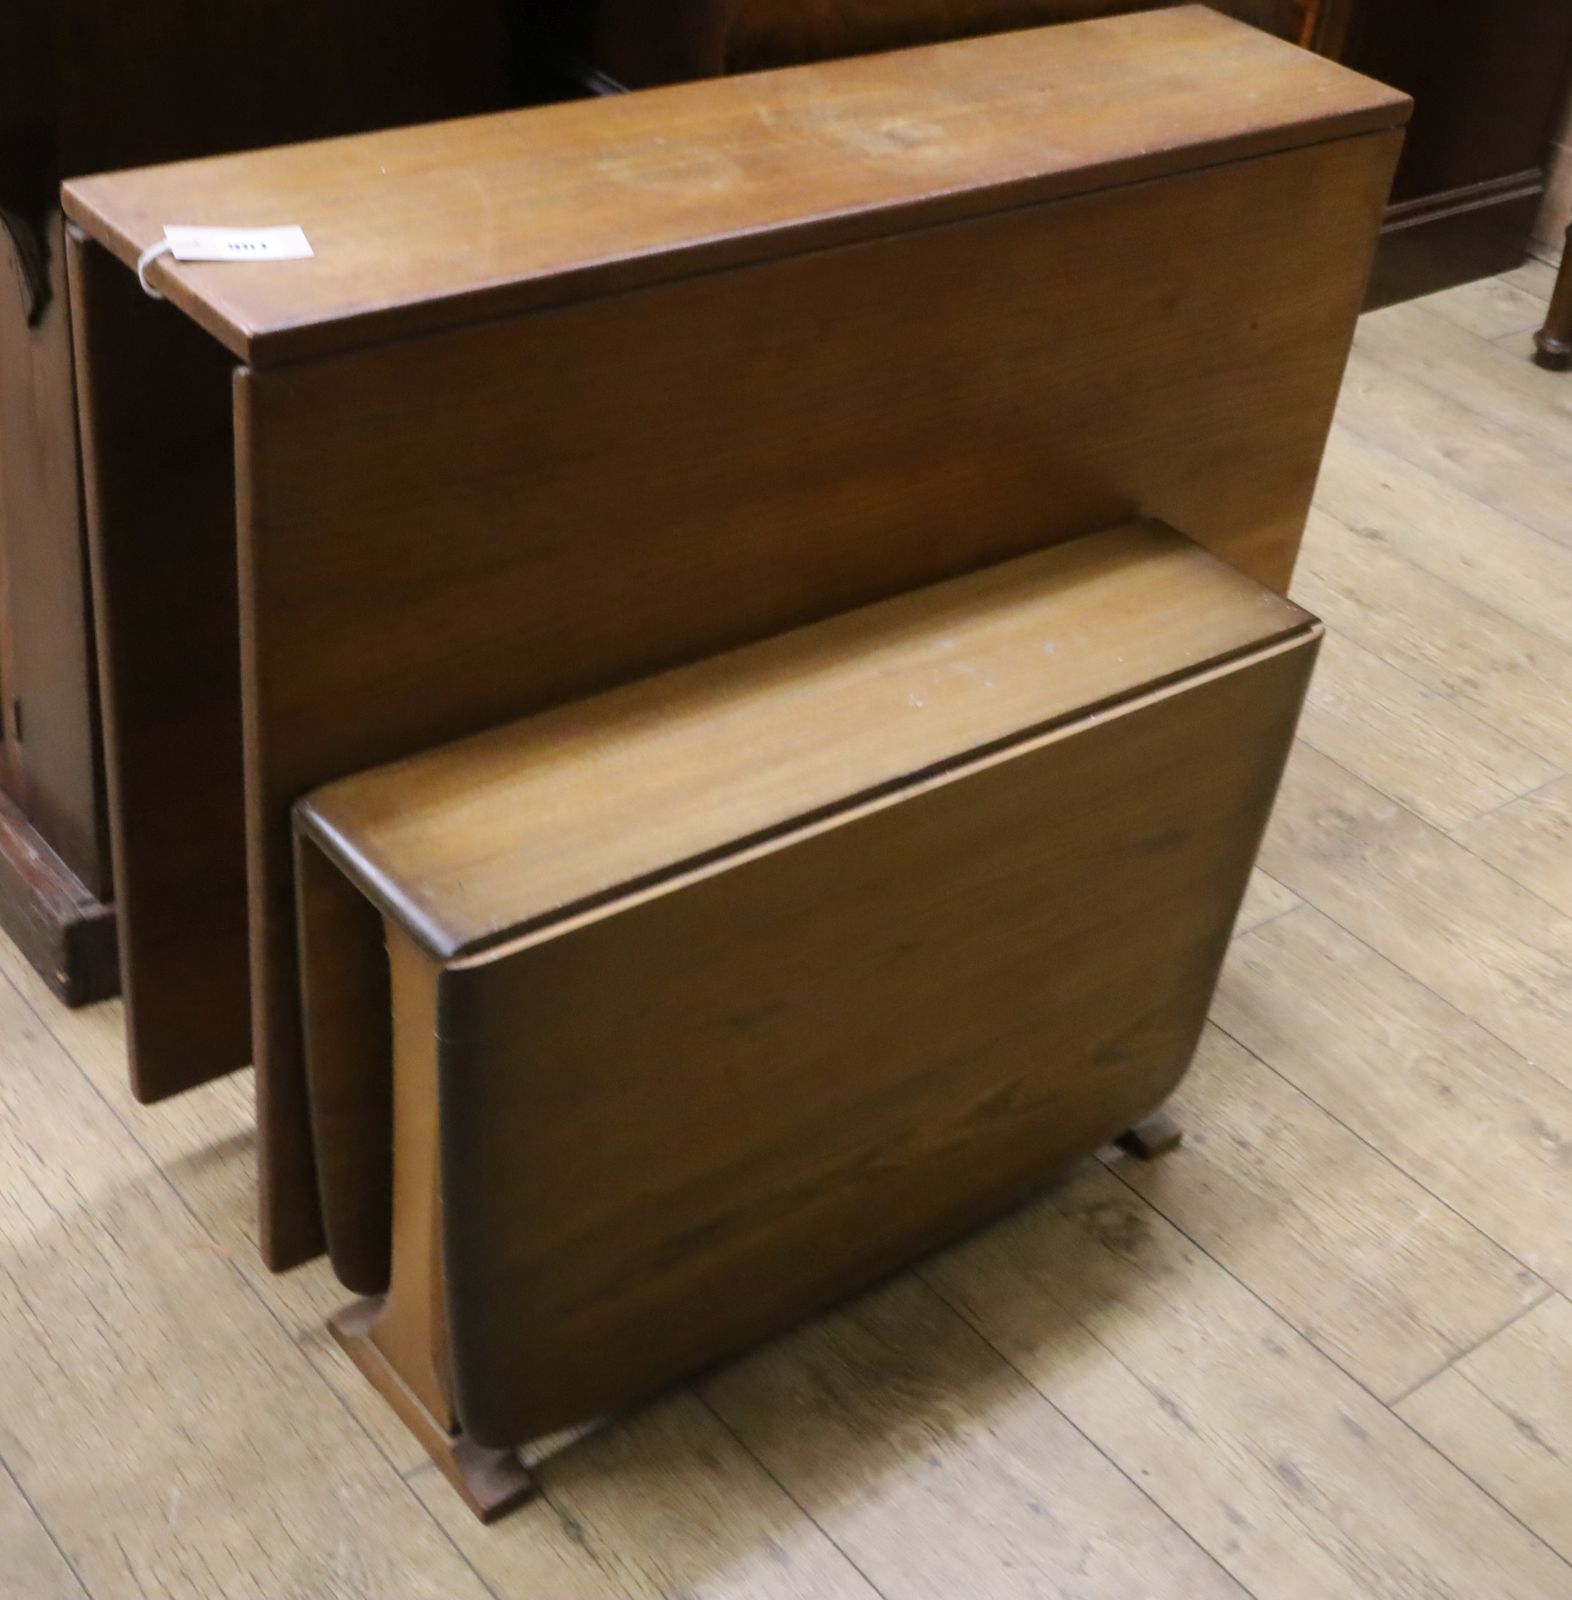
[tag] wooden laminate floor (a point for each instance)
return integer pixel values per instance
(1325, 1350)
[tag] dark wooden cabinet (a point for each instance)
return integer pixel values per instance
(85, 87)
(1486, 77)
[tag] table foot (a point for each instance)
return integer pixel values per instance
(1151, 1137)
(490, 1482)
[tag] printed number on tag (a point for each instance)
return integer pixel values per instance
(237, 244)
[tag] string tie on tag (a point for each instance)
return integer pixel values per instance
(145, 260)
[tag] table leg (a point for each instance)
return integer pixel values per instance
(1553, 342)
(159, 487)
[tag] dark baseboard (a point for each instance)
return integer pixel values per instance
(1447, 239)
(67, 935)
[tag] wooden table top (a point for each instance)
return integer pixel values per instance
(417, 229)
(521, 827)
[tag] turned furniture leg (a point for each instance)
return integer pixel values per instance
(399, 1340)
(1553, 342)
(1151, 1137)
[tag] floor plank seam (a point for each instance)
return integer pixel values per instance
(1250, 1289)
(1360, 1384)
(1511, 738)
(1310, 900)
(1353, 777)
(1391, 1160)
(1334, 631)
(1311, 743)
(1478, 1344)
(1266, 922)
(1486, 341)
(1440, 304)
(1308, 564)
(48, 1532)
(1485, 425)
(1495, 1500)
(1494, 343)
(1430, 309)
(1469, 822)
(920, 1271)
(573, 1530)
(1557, 911)
(1444, 490)
(765, 1468)
(402, 1478)
(1527, 888)
(300, 1340)
(1549, 1289)
(238, 1274)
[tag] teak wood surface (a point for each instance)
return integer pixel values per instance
(484, 840)
(159, 487)
(422, 228)
(439, 533)
(1006, 844)
(1487, 81)
(471, 845)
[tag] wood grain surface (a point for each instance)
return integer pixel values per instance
(1478, 1125)
(475, 844)
(1516, 971)
(1530, 839)
(591, 530)
(98, 1243)
(991, 1018)
(1501, 1413)
(417, 229)
(159, 486)
(1264, 1447)
(682, 1125)
(1362, 1260)
(486, 839)
(1008, 1501)
(1439, 758)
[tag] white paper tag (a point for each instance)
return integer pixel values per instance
(237, 244)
